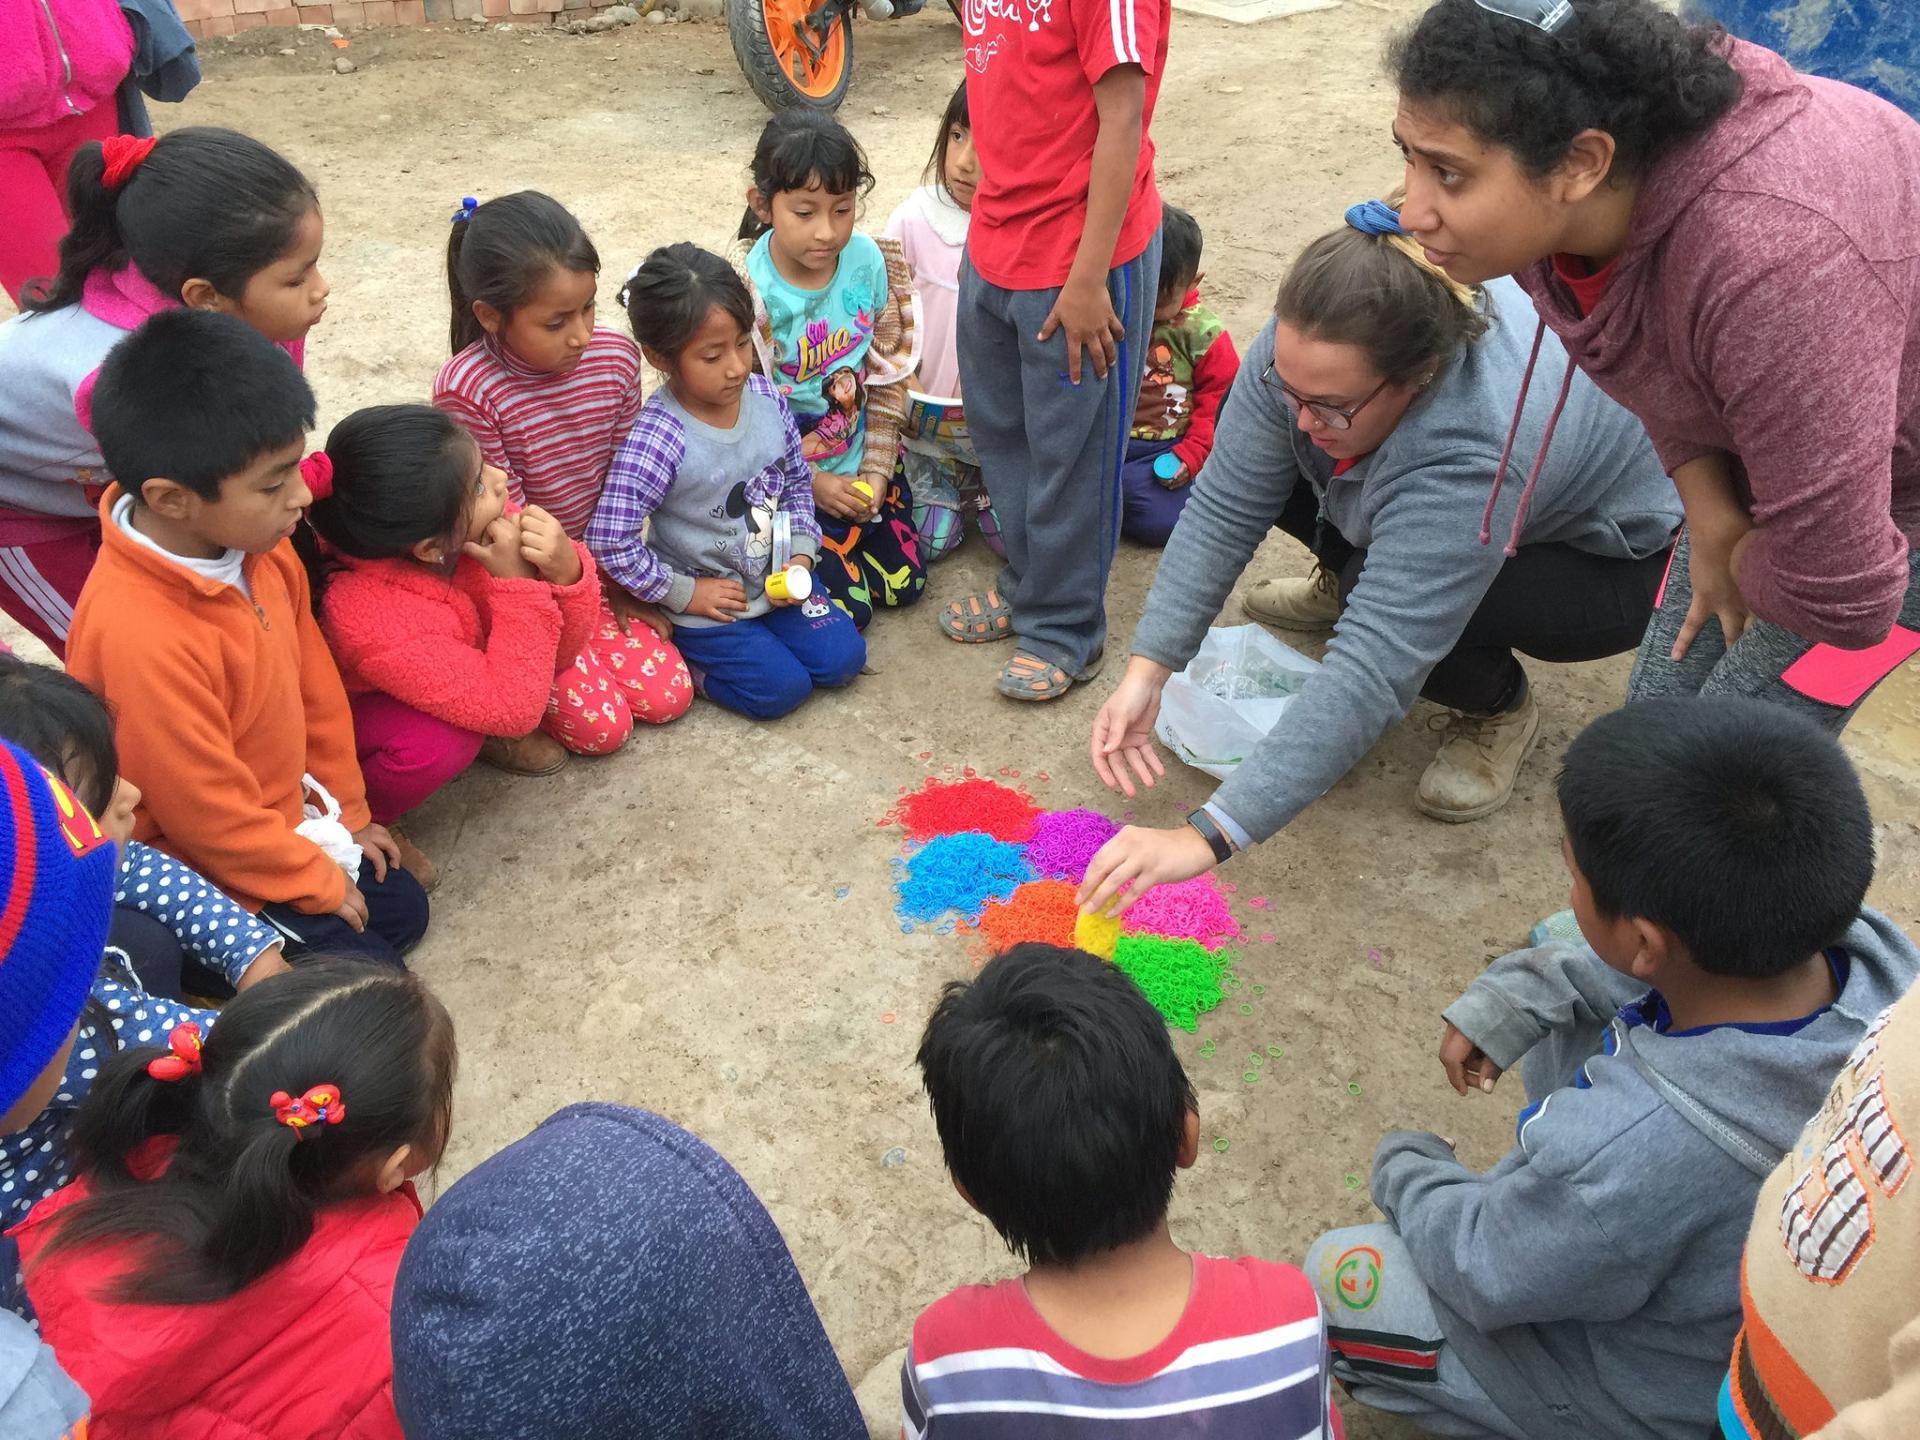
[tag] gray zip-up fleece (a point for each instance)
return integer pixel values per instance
(1415, 504)
(1590, 1281)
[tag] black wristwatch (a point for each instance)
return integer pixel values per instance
(1211, 832)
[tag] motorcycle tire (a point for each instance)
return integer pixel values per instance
(781, 67)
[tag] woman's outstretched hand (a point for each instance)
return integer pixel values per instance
(1122, 743)
(1136, 860)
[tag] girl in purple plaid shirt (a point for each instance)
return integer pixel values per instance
(708, 507)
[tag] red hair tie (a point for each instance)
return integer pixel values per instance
(184, 1043)
(121, 156)
(317, 471)
(321, 1105)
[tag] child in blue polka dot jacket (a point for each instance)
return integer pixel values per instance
(172, 929)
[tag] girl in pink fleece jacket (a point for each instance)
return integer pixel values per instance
(462, 628)
(1731, 250)
(60, 63)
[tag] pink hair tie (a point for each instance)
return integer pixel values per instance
(317, 471)
(120, 156)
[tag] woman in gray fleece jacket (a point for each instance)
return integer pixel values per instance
(1368, 419)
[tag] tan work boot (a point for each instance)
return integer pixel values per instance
(1309, 603)
(1473, 774)
(413, 860)
(535, 754)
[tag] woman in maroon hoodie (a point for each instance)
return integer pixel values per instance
(1731, 250)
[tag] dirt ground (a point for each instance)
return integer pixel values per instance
(662, 928)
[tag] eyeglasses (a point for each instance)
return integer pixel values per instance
(1334, 417)
(1548, 15)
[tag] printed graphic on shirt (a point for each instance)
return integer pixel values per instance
(752, 503)
(820, 340)
(1826, 1217)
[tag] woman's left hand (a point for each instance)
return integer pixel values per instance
(1143, 858)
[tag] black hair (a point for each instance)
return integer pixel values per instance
(954, 117)
(1627, 67)
(1179, 250)
(1736, 824)
(1059, 1101)
(401, 474)
(242, 1190)
(800, 148)
(195, 396)
(206, 204)
(63, 725)
(1378, 292)
(676, 287)
(500, 252)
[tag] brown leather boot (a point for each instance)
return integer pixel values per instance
(535, 754)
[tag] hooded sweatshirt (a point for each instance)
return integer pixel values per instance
(1590, 1281)
(300, 1354)
(1767, 304)
(1415, 504)
(59, 58)
(609, 1275)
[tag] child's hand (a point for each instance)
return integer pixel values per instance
(628, 611)
(353, 910)
(717, 599)
(1085, 311)
(268, 963)
(545, 546)
(379, 848)
(803, 560)
(835, 495)
(499, 550)
(1466, 1064)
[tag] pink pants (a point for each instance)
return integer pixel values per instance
(40, 578)
(406, 755)
(33, 178)
(618, 679)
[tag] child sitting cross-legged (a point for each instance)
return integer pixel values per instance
(701, 491)
(461, 626)
(223, 1263)
(1190, 367)
(1065, 1114)
(196, 630)
(1589, 1283)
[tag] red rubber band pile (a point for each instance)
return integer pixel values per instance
(946, 807)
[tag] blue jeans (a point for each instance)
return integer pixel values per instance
(764, 667)
(1149, 510)
(396, 919)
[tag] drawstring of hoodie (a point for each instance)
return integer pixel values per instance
(1539, 459)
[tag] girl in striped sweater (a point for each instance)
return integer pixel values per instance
(548, 396)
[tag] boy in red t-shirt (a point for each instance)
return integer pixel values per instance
(1057, 298)
(1064, 1115)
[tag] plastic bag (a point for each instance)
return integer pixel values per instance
(324, 827)
(1239, 683)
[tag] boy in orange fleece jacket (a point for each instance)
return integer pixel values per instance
(195, 628)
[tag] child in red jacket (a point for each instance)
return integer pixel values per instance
(461, 628)
(223, 1265)
(1191, 363)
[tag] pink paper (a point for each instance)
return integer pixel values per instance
(1840, 677)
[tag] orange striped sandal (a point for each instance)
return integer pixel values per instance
(979, 619)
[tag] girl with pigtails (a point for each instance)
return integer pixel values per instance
(223, 1262)
(202, 217)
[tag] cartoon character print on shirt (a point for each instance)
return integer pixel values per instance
(745, 550)
(846, 398)
(820, 349)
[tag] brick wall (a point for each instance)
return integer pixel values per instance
(207, 18)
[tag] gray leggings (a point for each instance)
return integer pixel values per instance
(1752, 667)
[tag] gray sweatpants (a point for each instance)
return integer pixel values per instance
(1752, 667)
(1050, 452)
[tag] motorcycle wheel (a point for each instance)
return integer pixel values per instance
(794, 53)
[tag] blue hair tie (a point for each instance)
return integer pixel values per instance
(1375, 217)
(465, 213)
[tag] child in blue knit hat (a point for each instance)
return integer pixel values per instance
(68, 1001)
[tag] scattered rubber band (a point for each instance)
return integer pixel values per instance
(887, 1017)
(1219, 1144)
(1259, 989)
(1252, 1077)
(1206, 1049)
(1353, 1087)
(1275, 1051)
(1256, 1059)
(1354, 1182)
(1245, 1008)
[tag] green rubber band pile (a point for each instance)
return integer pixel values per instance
(1180, 978)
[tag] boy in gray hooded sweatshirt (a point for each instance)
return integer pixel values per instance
(1589, 1283)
